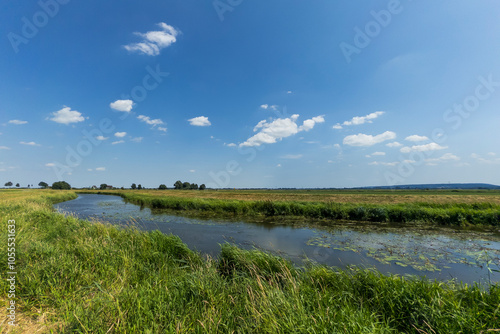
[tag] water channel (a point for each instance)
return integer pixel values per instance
(441, 253)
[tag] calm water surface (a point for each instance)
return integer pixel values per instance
(440, 253)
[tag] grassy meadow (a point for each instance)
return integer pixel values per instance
(76, 276)
(447, 207)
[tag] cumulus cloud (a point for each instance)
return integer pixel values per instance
(443, 158)
(117, 142)
(358, 120)
(423, 148)
(120, 134)
(50, 164)
(17, 122)
(31, 143)
(375, 154)
(162, 129)
(416, 138)
(230, 144)
(199, 121)
(137, 139)
(484, 160)
(308, 124)
(267, 106)
(368, 140)
(148, 120)
(394, 144)
(100, 169)
(154, 41)
(122, 105)
(102, 138)
(67, 116)
(272, 132)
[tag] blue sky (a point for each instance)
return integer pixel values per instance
(250, 93)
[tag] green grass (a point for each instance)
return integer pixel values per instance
(95, 278)
(461, 214)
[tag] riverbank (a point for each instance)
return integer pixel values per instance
(90, 277)
(476, 208)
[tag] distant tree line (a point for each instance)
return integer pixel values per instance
(179, 185)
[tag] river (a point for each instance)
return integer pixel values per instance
(441, 253)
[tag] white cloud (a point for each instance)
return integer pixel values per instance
(50, 164)
(278, 165)
(89, 170)
(31, 143)
(368, 140)
(122, 105)
(100, 169)
(162, 129)
(230, 144)
(102, 138)
(67, 116)
(4, 148)
(17, 122)
(137, 139)
(394, 144)
(308, 124)
(444, 158)
(492, 154)
(289, 92)
(120, 134)
(378, 153)
(153, 41)
(358, 120)
(117, 142)
(423, 148)
(416, 138)
(153, 122)
(199, 121)
(337, 126)
(486, 161)
(291, 156)
(267, 106)
(271, 132)
(192, 170)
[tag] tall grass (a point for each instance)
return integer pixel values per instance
(442, 214)
(95, 278)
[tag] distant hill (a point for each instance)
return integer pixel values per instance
(439, 186)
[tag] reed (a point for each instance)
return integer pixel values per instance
(460, 214)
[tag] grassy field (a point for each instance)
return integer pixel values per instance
(440, 207)
(82, 277)
(337, 196)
